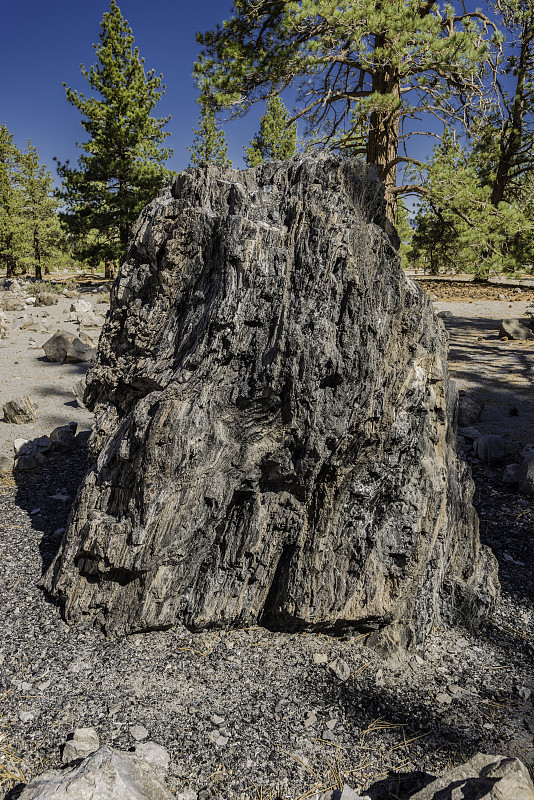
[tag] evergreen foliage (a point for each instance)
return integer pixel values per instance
(121, 168)
(11, 220)
(209, 144)
(277, 137)
(30, 232)
(42, 228)
(458, 227)
(361, 68)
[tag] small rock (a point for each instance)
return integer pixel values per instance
(79, 352)
(63, 436)
(26, 717)
(514, 329)
(80, 306)
(6, 464)
(489, 448)
(19, 411)
(340, 669)
(469, 409)
(18, 444)
(46, 299)
(511, 473)
(138, 732)
(156, 756)
(525, 476)
(310, 720)
(78, 390)
(81, 743)
(56, 348)
(444, 314)
(443, 698)
(320, 658)
(25, 464)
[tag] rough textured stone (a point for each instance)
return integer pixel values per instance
(469, 409)
(46, 299)
(490, 448)
(274, 436)
(57, 347)
(79, 351)
(525, 476)
(484, 776)
(81, 744)
(107, 774)
(19, 411)
(6, 464)
(514, 329)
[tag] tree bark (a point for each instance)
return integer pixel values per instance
(383, 140)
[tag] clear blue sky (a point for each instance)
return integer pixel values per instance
(43, 44)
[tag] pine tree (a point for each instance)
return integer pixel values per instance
(458, 227)
(361, 68)
(276, 139)
(209, 144)
(11, 220)
(121, 169)
(42, 230)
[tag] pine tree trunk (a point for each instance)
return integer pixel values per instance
(37, 255)
(383, 139)
(109, 273)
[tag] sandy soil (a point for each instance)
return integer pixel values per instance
(25, 370)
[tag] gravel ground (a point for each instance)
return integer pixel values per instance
(253, 713)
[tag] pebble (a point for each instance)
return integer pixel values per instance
(138, 732)
(340, 669)
(320, 658)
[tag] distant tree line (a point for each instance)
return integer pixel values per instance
(370, 80)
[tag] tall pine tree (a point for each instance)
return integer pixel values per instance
(209, 145)
(121, 168)
(362, 68)
(42, 229)
(277, 137)
(11, 219)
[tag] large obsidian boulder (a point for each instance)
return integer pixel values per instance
(275, 434)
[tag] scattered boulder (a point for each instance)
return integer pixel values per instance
(57, 347)
(489, 448)
(19, 411)
(525, 476)
(46, 299)
(89, 320)
(514, 329)
(12, 304)
(63, 436)
(79, 391)
(273, 401)
(79, 351)
(80, 744)
(469, 409)
(80, 307)
(6, 465)
(156, 756)
(106, 773)
(511, 474)
(491, 777)
(4, 326)
(444, 314)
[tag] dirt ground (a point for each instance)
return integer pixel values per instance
(498, 372)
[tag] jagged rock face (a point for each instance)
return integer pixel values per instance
(274, 435)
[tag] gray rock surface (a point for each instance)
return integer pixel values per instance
(469, 410)
(79, 351)
(81, 744)
(489, 448)
(274, 435)
(515, 329)
(484, 776)
(19, 411)
(57, 347)
(107, 773)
